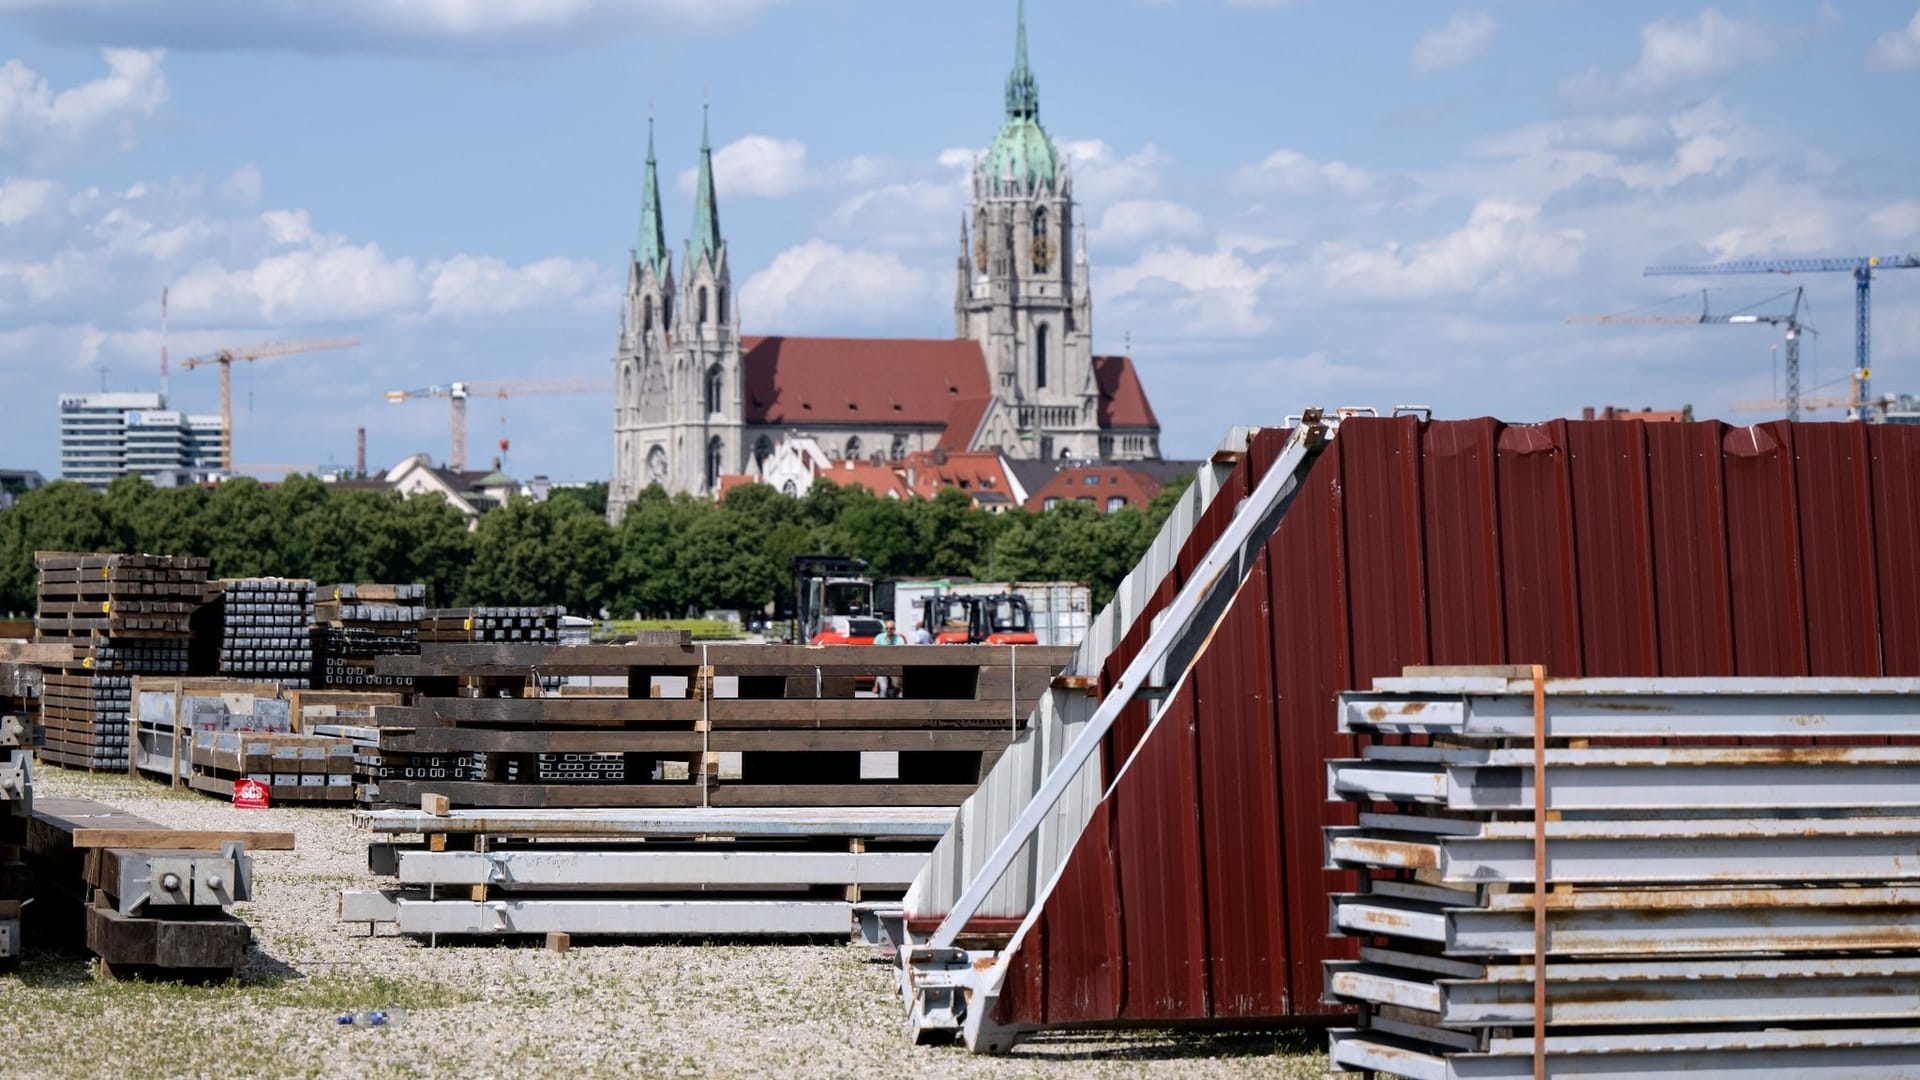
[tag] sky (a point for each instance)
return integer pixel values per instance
(1289, 202)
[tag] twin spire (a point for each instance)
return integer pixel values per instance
(651, 250)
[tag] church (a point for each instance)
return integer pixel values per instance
(697, 401)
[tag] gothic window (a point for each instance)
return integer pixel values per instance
(790, 489)
(716, 389)
(715, 452)
(657, 465)
(703, 304)
(1046, 448)
(853, 448)
(720, 310)
(1041, 246)
(1007, 252)
(762, 450)
(1040, 357)
(646, 317)
(899, 449)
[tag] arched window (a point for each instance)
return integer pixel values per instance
(715, 452)
(703, 304)
(716, 389)
(1040, 245)
(1040, 357)
(853, 448)
(646, 317)
(762, 450)
(899, 449)
(720, 309)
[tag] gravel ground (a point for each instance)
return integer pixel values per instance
(492, 1010)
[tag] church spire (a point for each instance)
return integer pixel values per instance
(1023, 94)
(651, 251)
(706, 211)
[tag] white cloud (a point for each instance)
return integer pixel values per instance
(33, 114)
(912, 214)
(1897, 50)
(1461, 40)
(1291, 173)
(1676, 51)
(22, 199)
(467, 286)
(1501, 243)
(756, 166)
(242, 185)
(820, 285)
(1101, 174)
(1132, 221)
(1201, 293)
(1898, 220)
(375, 26)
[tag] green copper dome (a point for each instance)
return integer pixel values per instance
(1022, 148)
(1023, 151)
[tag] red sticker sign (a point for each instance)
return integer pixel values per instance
(250, 795)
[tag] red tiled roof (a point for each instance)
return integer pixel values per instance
(878, 479)
(1097, 484)
(963, 422)
(976, 473)
(796, 380)
(1123, 403)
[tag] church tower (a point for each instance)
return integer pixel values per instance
(710, 396)
(1022, 290)
(642, 392)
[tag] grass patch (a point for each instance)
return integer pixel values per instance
(702, 629)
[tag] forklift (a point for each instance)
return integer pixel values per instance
(955, 619)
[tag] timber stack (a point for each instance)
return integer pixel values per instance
(739, 790)
(210, 734)
(121, 615)
(1697, 887)
(733, 726)
(265, 630)
(353, 624)
(146, 899)
(460, 626)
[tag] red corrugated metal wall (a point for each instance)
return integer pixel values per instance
(1594, 547)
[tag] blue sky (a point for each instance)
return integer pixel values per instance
(1289, 203)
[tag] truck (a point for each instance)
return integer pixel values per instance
(1058, 612)
(833, 601)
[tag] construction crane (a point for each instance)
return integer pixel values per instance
(1861, 268)
(250, 353)
(1790, 319)
(458, 393)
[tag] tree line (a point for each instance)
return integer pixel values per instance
(671, 555)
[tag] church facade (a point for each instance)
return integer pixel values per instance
(696, 400)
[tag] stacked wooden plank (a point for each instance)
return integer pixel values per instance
(293, 768)
(121, 615)
(727, 726)
(1630, 877)
(265, 630)
(449, 626)
(207, 734)
(677, 872)
(120, 597)
(146, 899)
(353, 624)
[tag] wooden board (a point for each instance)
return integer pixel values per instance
(49, 653)
(89, 824)
(652, 796)
(520, 659)
(823, 713)
(466, 740)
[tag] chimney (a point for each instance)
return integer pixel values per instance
(1586, 413)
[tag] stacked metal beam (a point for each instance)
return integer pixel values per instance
(16, 804)
(353, 624)
(265, 630)
(1704, 887)
(456, 626)
(124, 615)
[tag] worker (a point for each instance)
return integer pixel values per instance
(884, 685)
(921, 636)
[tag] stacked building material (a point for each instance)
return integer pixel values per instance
(758, 872)
(775, 725)
(122, 615)
(353, 624)
(293, 768)
(147, 899)
(534, 625)
(265, 630)
(16, 804)
(1694, 888)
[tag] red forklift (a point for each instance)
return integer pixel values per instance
(1001, 619)
(833, 601)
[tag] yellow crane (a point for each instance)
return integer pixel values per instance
(250, 353)
(458, 393)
